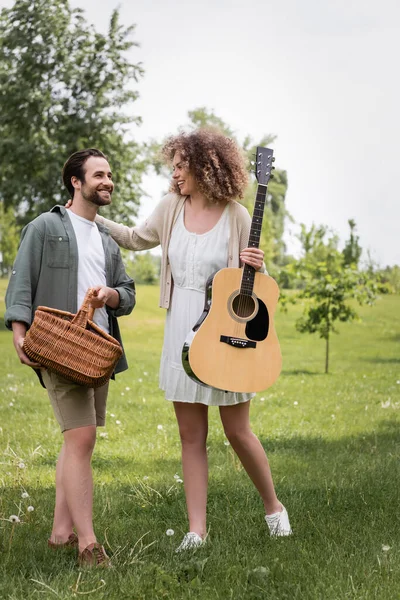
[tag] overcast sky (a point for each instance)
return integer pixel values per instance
(321, 75)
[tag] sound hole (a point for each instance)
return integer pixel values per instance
(243, 306)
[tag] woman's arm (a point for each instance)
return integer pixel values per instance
(140, 237)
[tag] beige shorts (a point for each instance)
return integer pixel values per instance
(75, 405)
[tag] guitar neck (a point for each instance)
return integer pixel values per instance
(247, 284)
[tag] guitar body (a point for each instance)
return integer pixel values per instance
(234, 346)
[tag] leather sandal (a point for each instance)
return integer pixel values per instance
(72, 542)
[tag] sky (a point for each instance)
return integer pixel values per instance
(322, 76)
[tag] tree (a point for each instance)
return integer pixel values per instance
(63, 87)
(9, 239)
(391, 277)
(275, 211)
(144, 267)
(329, 284)
(352, 250)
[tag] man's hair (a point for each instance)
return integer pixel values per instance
(74, 167)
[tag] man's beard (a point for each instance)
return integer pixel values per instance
(94, 197)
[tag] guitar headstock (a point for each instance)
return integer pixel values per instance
(263, 165)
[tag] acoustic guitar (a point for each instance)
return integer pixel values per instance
(234, 346)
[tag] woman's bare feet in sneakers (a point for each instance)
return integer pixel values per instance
(191, 541)
(278, 523)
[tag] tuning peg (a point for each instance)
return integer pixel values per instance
(271, 176)
(272, 168)
(273, 159)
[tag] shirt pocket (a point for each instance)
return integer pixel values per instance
(57, 251)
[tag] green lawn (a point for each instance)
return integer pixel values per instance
(334, 446)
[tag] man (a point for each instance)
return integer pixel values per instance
(63, 253)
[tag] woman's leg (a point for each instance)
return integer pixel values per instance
(247, 446)
(193, 428)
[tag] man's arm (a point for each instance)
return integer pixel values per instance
(24, 277)
(121, 297)
(21, 289)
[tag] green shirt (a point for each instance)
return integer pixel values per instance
(45, 273)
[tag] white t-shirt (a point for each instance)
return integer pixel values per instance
(91, 263)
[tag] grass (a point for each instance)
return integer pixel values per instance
(334, 447)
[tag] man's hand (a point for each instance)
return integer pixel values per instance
(104, 295)
(19, 332)
(253, 257)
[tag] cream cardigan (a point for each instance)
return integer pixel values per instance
(156, 230)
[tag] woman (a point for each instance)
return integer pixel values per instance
(201, 229)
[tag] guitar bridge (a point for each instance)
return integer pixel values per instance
(237, 342)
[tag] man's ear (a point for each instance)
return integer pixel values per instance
(76, 182)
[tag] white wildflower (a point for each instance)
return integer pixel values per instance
(262, 399)
(24, 495)
(398, 382)
(11, 404)
(104, 434)
(117, 422)
(145, 373)
(170, 532)
(226, 443)
(30, 508)
(14, 519)
(122, 393)
(112, 415)
(295, 403)
(179, 480)
(127, 389)
(385, 548)
(21, 465)
(144, 400)
(145, 477)
(140, 380)
(385, 404)
(160, 427)
(176, 476)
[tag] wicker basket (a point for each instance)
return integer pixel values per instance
(72, 345)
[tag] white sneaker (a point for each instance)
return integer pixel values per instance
(278, 523)
(190, 541)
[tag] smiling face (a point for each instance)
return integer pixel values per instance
(182, 177)
(97, 185)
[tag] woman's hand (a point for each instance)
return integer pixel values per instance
(68, 204)
(253, 257)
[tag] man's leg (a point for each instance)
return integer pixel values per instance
(77, 481)
(78, 410)
(62, 523)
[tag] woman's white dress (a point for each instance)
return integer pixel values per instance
(193, 258)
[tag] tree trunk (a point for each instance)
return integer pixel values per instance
(327, 354)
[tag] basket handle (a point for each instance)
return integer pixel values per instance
(86, 311)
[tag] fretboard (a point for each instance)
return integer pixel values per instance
(247, 284)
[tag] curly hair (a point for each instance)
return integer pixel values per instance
(215, 161)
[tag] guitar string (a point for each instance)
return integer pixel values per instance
(246, 301)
